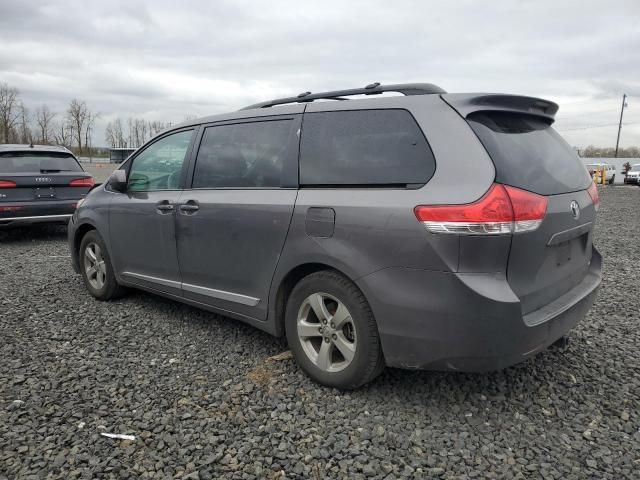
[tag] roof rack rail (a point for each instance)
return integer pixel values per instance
(372, 89)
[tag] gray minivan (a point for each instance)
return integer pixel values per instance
(423, 230)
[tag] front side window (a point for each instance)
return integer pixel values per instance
(364, 147)
(158, 167)
(243, 155)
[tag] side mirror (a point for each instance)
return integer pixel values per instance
(118, 181)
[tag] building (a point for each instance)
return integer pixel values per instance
(119, 155)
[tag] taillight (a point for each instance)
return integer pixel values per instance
(7, 184)
(503, 209)
(82, 182)
(9, 209)
(595, 196)
(528, 209)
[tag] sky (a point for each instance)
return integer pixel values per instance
(166, 60)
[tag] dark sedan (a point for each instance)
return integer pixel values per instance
(40, 184)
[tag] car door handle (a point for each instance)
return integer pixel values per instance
(164, 207)
(190, 207)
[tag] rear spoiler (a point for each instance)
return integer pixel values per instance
(467, 103)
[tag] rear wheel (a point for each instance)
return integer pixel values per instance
(612, 179)
(331, 331)
(96, 269)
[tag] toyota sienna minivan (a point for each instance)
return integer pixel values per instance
(423, 230)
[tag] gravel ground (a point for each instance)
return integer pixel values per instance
(204, 400)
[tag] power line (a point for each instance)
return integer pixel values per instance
(588, 127)
(589, 114)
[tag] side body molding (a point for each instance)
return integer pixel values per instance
(210, 292)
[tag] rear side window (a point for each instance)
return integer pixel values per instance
(243, 155)
(364, 147)
(529, 154)
(38, 162)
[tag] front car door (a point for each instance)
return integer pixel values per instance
(233, 221)
(142, 219)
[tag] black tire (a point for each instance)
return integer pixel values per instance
(368, 360)
(611, 180)
(110, 290)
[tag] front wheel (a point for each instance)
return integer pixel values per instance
(331, 331)
(96, 269)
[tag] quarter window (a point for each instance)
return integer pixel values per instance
(364, 147)
(243, 155)
(158, 167)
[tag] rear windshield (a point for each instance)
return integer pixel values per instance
(635, 168)
(529, 154)
(38, 162)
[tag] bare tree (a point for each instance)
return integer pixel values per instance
(91, 120)
(109, 135)
(119, 133)
(24, 130)
(63, 134)
(115, 135)
(77, 116)
(44, 120)
(155, 127)
(9, 112)
(139, 132)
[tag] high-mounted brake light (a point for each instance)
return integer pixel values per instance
(503, 209)
(7, 184)
(595, 196)
(82, 182)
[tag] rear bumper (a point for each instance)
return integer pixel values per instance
(38, 212)
(632, 180)
(467, 322)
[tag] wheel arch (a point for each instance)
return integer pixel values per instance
(74, 245)
(287, 284)
(80, 232)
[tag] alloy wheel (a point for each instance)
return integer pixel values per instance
(326, 332)
(94, 266)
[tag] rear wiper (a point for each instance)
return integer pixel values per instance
(43, 170)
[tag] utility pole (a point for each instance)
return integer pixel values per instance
(624, 104)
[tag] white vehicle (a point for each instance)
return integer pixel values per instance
(633, 175)
(610, 170)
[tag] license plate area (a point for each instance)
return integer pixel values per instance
(571, 249)
(45, 193)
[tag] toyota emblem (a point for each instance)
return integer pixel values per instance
(575, 209)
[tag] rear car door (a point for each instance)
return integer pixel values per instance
(40, 184)
(142, 219)
(233, 221)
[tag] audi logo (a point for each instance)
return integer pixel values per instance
(43, 179)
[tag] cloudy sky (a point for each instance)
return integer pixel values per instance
(164, 60)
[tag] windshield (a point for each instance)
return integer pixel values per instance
(635, 168)
(38, 162)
